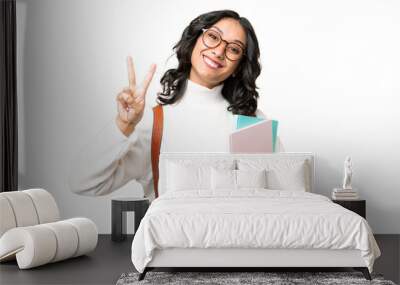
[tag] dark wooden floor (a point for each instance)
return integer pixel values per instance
(102, 266)
(111, 259)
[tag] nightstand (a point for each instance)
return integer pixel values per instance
(119, 207)
(357, 206)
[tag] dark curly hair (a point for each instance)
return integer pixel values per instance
(240, 91)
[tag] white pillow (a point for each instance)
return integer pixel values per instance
(223, 179)
(282, 174)
(185, 174)
(228, 179)
(251, 178)
(182, 177)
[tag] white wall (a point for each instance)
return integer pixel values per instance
(330, 75)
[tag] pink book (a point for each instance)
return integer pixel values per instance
(255, 138)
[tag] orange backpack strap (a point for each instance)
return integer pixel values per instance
(156, 143)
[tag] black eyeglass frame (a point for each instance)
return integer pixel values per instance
(204, 30)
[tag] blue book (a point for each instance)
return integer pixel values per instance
(274, 133)
(245, 121)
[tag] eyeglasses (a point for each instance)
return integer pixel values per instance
(212, 39)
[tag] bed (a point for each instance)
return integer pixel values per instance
(245, 211)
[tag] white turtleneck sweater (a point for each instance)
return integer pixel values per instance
(199, 122)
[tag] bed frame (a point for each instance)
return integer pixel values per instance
(244, 259)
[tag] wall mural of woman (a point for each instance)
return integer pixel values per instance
(215, 80)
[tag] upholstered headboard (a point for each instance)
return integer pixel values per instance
(165, 157)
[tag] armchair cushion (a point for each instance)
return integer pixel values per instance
(27, 208)
(46, 243)
(32, 233)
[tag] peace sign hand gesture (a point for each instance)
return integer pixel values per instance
(131, 100)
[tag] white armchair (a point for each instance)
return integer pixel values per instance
(32, 233)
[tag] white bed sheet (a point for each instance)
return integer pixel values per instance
(250, 218)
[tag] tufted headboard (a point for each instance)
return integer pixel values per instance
(208, 157)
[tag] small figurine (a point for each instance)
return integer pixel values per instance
(348, 172)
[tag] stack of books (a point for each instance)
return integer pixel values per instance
(344, 194)
(253, 135)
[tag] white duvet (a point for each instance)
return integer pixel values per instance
(251, 218)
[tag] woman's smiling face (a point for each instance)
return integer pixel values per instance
(210, 66)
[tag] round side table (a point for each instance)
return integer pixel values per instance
(119, 207)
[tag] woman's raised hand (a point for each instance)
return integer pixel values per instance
(131, 100)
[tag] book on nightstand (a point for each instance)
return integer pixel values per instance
(345, 194)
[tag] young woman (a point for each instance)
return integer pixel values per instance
(218, 56)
